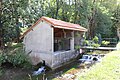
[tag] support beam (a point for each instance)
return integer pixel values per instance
(72, 41)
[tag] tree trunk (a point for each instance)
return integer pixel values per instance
(1, 28)
(91, 31)
(57, 5)
(76, 12)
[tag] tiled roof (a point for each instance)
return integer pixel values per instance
(58, 24)
(64, 24)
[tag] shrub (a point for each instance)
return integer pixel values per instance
(16, 45)
(105, 43)
(95, 39)
(2, 58)
(85, 42)
(19, 58)
(95, 45)
(77, 47)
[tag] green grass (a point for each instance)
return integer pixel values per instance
(108, 69)
(98, 52)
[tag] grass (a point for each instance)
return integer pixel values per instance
(99, 52)
(75, 68)
(108, 69)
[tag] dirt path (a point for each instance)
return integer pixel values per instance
(15, 74)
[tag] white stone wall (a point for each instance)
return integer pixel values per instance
(72, 41)
(61, 57)
(40, 42)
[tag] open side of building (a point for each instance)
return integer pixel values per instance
(53, 41)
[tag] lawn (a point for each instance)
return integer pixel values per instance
(108, 69)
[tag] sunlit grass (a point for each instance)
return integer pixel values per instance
(98, 52)
(108, 69)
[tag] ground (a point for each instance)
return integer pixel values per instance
(14, 74)
(72, 71)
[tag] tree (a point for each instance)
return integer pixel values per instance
(10, 22)
(1, 28)
(98, 16)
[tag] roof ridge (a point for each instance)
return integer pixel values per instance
(55, 22)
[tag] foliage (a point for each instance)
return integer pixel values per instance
(95, 45)
(105, 43)
(95, 42)
(18, 58)
(99, 17)
(85, 42)
(95, 39)
(17, 45)
(77, 47)
(107, 69)
(2, 58)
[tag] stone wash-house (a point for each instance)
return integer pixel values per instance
(53, 41)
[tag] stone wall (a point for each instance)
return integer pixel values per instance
(39, 40)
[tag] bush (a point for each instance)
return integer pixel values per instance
(85, 42)
(105, 43)
(95, 45)
(2, 58)
(18, 58)
(16, 45)
(95, 39)
(77, 47)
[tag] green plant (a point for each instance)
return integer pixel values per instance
(85, 42)
(19, 59)
(95, 39)
(95, 45)
(77, 34)
(77, 47)
(2, 58)
(16, 45)
(105, 43)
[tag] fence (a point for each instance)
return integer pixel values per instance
(113, 41)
